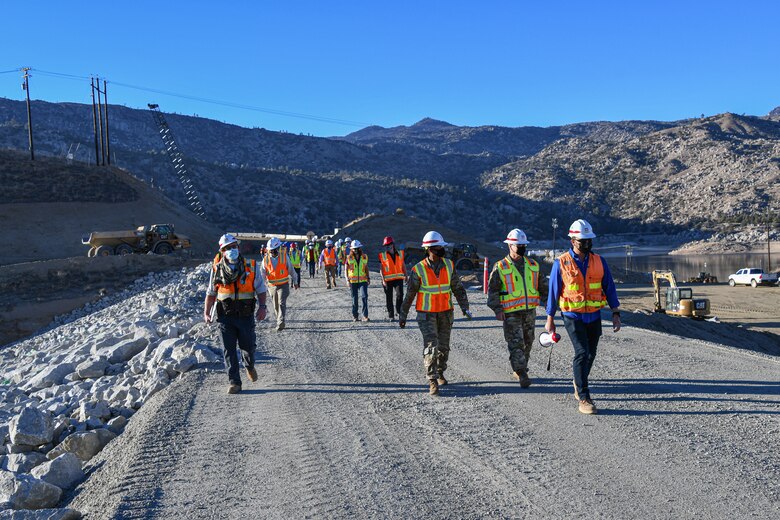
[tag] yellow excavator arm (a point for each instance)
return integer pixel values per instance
(657, 277)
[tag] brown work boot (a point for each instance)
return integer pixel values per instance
(234, 389)
(576, 393)
(366, 319)
(525, 381)
(433, 387)
(251, 373)
(441, 381)
(587, 407)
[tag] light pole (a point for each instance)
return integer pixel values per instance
(554, 226)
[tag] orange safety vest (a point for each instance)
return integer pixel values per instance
(581, 294)
(392, 270)
(357, 270)
(435, 291)
(241, 289)
(329, 258)
(278, 275)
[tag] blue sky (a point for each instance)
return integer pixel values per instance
(510, 63)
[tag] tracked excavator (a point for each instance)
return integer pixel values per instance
(678, 301)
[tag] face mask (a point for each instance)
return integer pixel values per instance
(389, 248)
(520, 250)
(274, 252)
(438, 251)
(586, 246)
(232, 255)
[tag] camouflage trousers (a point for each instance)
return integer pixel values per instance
(435, 328)
(519, 336)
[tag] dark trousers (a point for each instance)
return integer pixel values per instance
(311, 268)
(397, 287)
(585, 338)
(359, 289)
(298, 272)
(242, 331)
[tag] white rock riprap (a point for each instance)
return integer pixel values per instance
(68, 391)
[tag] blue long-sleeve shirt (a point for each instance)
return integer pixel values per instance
(556, 286)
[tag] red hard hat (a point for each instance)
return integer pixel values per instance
(388, 241)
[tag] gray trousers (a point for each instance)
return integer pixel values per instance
(279, 294)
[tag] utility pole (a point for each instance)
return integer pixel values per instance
(94, 123)
(26, 88)
(629, 252)
(108, 143)
(768, 242)
(100, 123)
(554, 226)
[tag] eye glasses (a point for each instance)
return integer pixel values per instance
(231, 246)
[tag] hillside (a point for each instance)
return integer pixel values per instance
(48, 204)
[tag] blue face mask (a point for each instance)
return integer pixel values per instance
(232, 255)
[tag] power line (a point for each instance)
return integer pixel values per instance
(240, 106)
(9, 71)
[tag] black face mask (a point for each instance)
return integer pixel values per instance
(274, 252)
(585, 245)
(438, 251)
(520, 250)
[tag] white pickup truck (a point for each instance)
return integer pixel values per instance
(752, 276)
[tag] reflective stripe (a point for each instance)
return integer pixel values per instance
(392, 270)
(518, 292)
(276, 275)
(435, 292)
(329, 259)
(295, 259)
(241, 289)
(575, 299)
(357, 270)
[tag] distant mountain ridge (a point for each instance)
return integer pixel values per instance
(628, 174)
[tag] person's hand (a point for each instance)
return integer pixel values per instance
(402, 323)
(467, 314)
(550, 325)
(500, 315)
(261, 313)
(368, 282)
(616, 322)
(207, 316)
(384, 284)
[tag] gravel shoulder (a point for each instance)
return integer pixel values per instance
(340, 425)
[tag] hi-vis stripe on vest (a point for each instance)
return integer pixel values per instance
(518, 292)
(295, 258)
(241, 289)
(329, 257)
(581, 293)
(435, 291)
(357, 271)
(276, 275)
(392, 270)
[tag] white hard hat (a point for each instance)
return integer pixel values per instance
(432, 239)
(356, 244)
(581, 229)
(516, 237)
(329, 242)
(226, 240)
(274, 243)
(347, 239)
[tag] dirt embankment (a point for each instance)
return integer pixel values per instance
(31, 294)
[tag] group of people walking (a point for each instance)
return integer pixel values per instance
(580, 286)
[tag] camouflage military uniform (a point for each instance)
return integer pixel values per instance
(518, 325)
(435, 326)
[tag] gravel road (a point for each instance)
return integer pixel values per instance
(340, 425)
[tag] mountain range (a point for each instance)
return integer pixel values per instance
(622, 176)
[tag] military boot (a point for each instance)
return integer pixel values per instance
(441, 380)
(433, 387)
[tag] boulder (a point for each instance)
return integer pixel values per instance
(41, 514)
(117, 424)
(206, 355)
(23, 462)
(124, 350)
(92, 368)
(27, 492)
(94, 410)
(186, 364)
(64, 471)
(84, 445)
(53, 375)
(31, 427)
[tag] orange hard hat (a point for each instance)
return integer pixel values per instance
(388, 241)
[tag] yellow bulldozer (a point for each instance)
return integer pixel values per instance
(678, 301)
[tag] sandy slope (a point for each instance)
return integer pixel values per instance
(339, 425)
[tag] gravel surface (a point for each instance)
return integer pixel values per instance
(340, 425)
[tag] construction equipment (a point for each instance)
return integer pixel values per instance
(679, 301)
(703, 277)
(464, 256)
(172, 149)
(158, 238)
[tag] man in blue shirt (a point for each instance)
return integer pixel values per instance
(580, 286)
